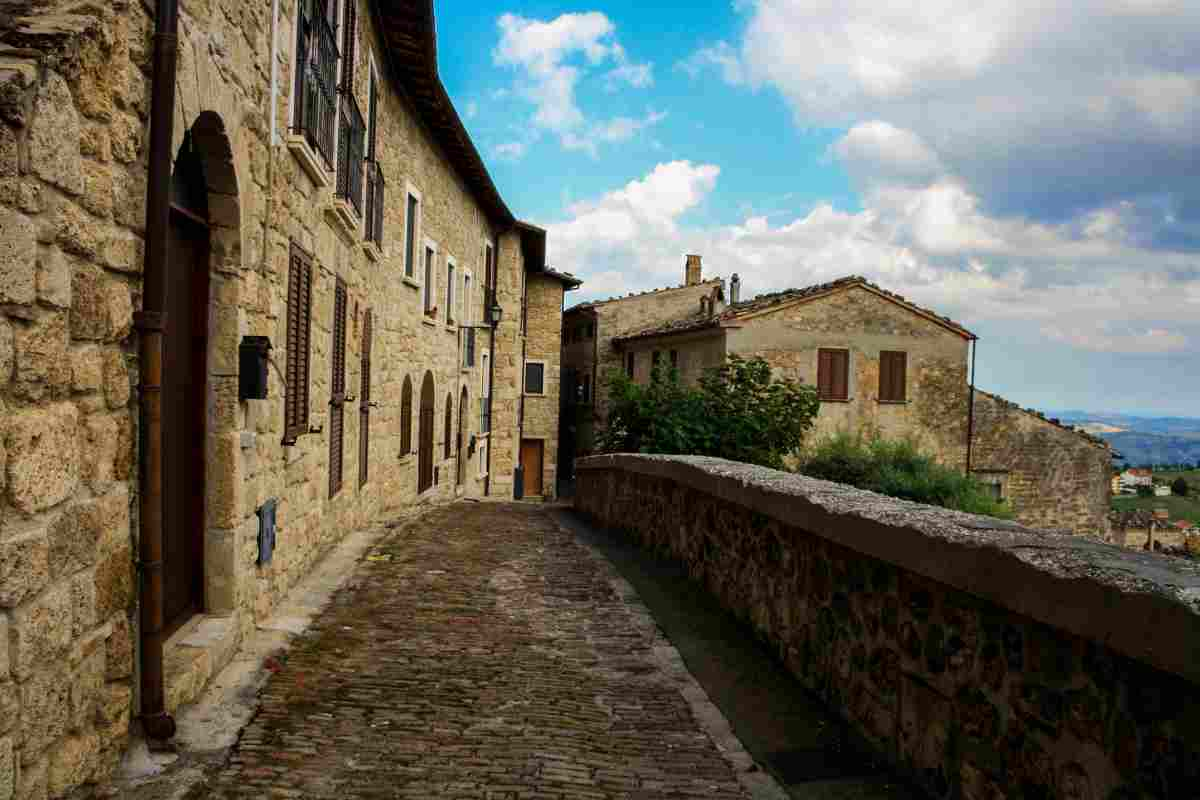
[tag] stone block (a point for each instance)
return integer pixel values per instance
(129, 199)
(122, 252)
(87, 368)
(9, 154)
(76, 231)
(97, 189)
(54, 279)
(126, 138)
(116, 379)
(31, 782)
(73, 762)
(8, 769)
(53, 137)
(41, 630)
(10, 706)
(125, 460)
(3, 650)
(24, 567)
(43, 460)
(114, 582)
(7, 356)
(18, 258)
(43, 368)
(225, 480)
(101, 308)
(87, 690)
(83, 602)
(118, 650)
(96, 142)
(73, 537)
(98, 440)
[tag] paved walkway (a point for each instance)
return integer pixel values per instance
(482, 652)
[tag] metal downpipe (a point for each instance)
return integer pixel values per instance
(151, 323)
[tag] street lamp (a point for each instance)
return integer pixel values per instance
(495, 311)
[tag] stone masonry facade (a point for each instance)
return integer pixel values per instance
(903, 619)
(74, 119)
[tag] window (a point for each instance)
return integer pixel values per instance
(833, 374)
(410, 235)
(316, 76)
(468, 347)
(351, 127)
(893, 369)
(430, 309)
(674, 359)
(489, 280)
(466, 299)
(449, 290)
(449, 425)
(337, 388)
(483, 448)
(485, 423)
(375, 182)
(406, 413)
(535, 377)
(629, 365)
(299, 333)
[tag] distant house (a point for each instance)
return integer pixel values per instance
(1134, 477)
(1162, 491)
(1116, 484)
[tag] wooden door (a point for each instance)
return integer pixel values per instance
(531, 466)
(425, 443)
(337, 398)
(460, 465)
(364, 404)
(184, 389)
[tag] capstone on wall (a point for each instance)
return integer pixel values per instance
(74, 111)
(1052, 477)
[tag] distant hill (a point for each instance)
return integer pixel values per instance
(1142, 440)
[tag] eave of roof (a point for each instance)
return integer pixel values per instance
(1091, 439)
(533, 250)
(409, 30)
(632, 295)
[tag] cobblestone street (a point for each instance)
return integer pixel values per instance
(479, 652)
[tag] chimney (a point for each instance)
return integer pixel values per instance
(735, 289)
(691, 271)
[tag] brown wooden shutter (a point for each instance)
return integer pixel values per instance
(406, 401)
(833, 374)
(364, 405)
(892, 369)
(841, 375)
(449, 425)
(337, 388)
(299, 327)
(348, 43)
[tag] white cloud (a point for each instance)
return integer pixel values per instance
(552, 57)
(1101, 340)
(472, 108)
(618, 129)
(721, 56)
(510, 151)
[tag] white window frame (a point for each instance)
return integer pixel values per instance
(413, 192)
(525, 375)
(451, 267)
(485, 384)
(481, 453)
(429, 291)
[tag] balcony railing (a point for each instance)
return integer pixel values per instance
(468, 347)
(351, 143)
(374, 216)
(315, 80)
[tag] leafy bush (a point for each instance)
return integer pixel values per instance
(899, 469)
(737, 412)
(1145, 491)
(1179, 487)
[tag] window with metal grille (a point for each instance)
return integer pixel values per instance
(893, 369)
(406, 417)
(468, 347)
(337, 388)
(833, 374)
(489, 281)
(410, 235)
(449, 291)
(535, 377)
(449, 426)
(316, 76)
(485, 422)
(351, 136)
(299, 332)
(428, 289)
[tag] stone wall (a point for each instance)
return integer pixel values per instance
(986, 660)
(1052, 476)
(74, 106)
(543, 342)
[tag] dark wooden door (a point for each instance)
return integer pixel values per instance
(184, 389)
(531, 466)
(337, 397)
(425, 444)
(364, 404)
(460, 465)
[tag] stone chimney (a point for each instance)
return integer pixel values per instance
(691, 271)
(735, 289)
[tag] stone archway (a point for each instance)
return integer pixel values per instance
(425, 446)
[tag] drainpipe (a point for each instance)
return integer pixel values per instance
(495, 276)
(971, 405)
(151, 324)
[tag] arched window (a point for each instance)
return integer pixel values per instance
(449, 421)
(406, 414)
(425, 448)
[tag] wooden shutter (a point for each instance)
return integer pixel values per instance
(892, 375)
(833, 374)
(372, 112)
(337, 385)
(406, 401)
(449, 426)
(364, 406)
(299, 328)
(348, 46)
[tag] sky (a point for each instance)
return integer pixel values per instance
(1029, 168)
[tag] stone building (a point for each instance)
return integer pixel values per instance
(296, 300)
(883, 365)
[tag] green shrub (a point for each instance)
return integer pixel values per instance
(738, 411)
(899, 469)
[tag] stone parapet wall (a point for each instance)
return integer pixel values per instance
(986, 659)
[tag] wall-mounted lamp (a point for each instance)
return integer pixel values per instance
(496, 312)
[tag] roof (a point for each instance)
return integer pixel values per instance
(765, 302)
(1092, 439)
(411, 55)
(595, 303)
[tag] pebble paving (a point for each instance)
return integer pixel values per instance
(479, 652)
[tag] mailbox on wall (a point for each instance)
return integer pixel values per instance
(253, 354)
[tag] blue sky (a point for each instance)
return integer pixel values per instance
(1031, 169)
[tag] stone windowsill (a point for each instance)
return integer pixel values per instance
(343, 218)
(892, 402)
(404, 458)
(450, 326)
(309, 159)
(411, 282)
(430, 321)
(837, 399)
(372, 250)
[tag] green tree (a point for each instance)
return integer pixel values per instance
(899, 469)
(1145, 491)
(738, 411)
(1179, 487)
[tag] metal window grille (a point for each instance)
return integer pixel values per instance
(316, 76)
(351, 143)
(374, 216)
(485, 419)
(469, 347)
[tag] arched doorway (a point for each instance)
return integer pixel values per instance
(460, 465)
(425, 447)
(185, 389)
